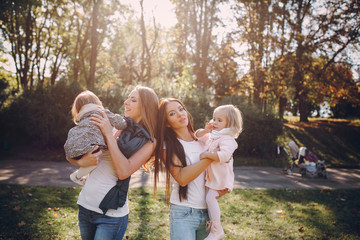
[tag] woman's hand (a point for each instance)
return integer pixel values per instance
(89, 159)
(103, 123)
(118, 133)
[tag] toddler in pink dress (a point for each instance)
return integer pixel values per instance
(219, 134)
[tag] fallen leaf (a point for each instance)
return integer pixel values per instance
(55, 215)
(314, 204)
(301, 229)
(282, 216)
(22, 223)
(17, 208)
(55, 209)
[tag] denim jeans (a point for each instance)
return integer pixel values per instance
(95, 225)
(187, 223)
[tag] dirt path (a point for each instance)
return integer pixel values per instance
(41, 173)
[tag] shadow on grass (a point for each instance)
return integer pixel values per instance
(37, 212)
(143, 213)
(330, 214)
(336, 144)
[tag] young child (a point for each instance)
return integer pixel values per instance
(219, 135)
(85, 136)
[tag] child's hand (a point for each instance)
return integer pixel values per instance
(209, 126)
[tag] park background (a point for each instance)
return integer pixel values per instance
(272, 59)
(292, 67)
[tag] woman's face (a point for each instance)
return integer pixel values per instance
(133, 106)
(176, 115)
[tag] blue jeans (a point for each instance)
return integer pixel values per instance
(95, 225)
(187, 223)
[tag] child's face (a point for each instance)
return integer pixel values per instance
(219, 120)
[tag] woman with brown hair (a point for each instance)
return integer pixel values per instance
(96, 222)
(178, 151)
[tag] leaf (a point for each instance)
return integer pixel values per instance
(54, 214)
(22, 223)
(17, 208)
(55, 209)
(314, 204)
(301, 229)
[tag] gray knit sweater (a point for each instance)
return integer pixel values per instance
(85, 136)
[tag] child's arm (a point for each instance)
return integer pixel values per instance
(225, 151)
(116, 120)
(202, 131)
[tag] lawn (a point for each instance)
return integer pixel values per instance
(51, 213)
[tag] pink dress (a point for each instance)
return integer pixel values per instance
(220, 175)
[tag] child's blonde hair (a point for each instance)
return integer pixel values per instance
(82, 99)
(234, 119)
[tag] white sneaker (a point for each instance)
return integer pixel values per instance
(76, 179)
(216, 231)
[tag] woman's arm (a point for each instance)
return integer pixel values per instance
(185, 175)
(123, 166)
(89, 159)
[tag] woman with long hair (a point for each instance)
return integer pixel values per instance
(178, 152)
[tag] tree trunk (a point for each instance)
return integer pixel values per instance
(94, 45)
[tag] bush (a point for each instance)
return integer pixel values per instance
(41, 118)
(260, 130)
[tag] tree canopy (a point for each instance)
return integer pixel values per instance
(298, 53)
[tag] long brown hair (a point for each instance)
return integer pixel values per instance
(149, 102)
(166, 137)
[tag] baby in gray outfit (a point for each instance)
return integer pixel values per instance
(85, 136)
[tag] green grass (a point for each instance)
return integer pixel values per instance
(51, 213)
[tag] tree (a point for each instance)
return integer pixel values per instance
(225, 71)
(324, 29)
(254, 22)
(32, 29)
(194, 37)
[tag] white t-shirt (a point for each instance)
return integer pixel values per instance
(98, 184)
(196, 188)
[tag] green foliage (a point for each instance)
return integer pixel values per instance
(260, 133)
(41, 117)
(7, 87)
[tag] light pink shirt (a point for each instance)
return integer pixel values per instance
(220, 175)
